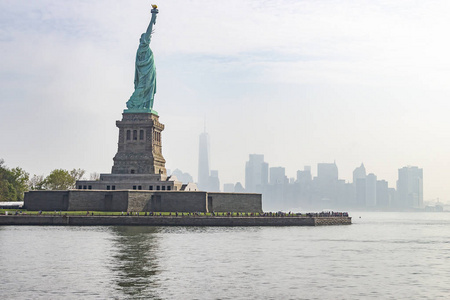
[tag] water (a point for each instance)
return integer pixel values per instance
(380, 256)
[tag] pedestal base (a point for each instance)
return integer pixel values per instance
(140, 147)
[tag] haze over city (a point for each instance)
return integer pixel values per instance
(302, 82)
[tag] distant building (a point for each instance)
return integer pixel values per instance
(327, 171)
(410, 187)
(183, 177)
(359, 173)
(256, 173)
(393, 196)
(203, 162)
(274, 196)
(214, 183)
(238, 188)
(383, 194)
(304, 177)
(302, 189)
(277, 175)
(228, 187)
(359, 181)
(208, 180)
(325, 185)
(360, 190)
(371, 190)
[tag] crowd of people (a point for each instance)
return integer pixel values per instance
(238, 214)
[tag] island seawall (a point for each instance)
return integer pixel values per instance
(170, 221)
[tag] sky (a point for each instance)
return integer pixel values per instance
(302, 82)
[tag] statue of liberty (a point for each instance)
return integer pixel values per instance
(145, 74)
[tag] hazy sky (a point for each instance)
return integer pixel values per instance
(301, 82)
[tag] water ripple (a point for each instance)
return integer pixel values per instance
(388, 256)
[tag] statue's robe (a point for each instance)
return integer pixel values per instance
(144, 79)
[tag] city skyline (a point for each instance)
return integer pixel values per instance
(328, 191)
(300, 81)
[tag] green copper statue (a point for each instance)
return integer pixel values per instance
(145, 75)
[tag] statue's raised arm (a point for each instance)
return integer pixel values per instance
(148, 33)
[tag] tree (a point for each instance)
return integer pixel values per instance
(20, 181)
(77, 174)
(61, 179)
(7, 191)
(13, 183)
(36, 182)
(95, 176)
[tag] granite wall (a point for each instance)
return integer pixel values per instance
(132, 200)
(98, 200)
(179, 201)
(234, 202)
(46, 200)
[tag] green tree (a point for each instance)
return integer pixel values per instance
(77, 174)
(7, 191)
(20, 181)
(13, 183)
(60, 179)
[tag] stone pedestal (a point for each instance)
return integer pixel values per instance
(140, 145)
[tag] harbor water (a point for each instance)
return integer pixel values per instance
(381, 255)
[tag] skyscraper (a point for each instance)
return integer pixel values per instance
(327, 171)
(383, 197)
(277, 175)
(203, 162)
(371, 190)
(359, 173)
(326, 183)
(410, 187)
(228, 187)
(359, 182)
(256, 173)
(304, 176)
(214, 183)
